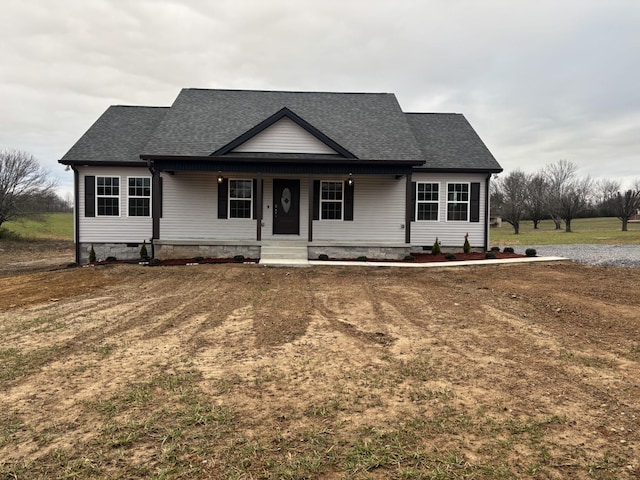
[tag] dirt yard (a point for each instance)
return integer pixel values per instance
(241, 371)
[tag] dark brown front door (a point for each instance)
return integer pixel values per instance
(286, 207)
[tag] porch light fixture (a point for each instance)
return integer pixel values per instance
(350, 180)
(220, 178)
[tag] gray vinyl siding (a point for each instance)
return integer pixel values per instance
(284, 136)
(190, 210)
(449, 233)
(112, 229)
(378, 214)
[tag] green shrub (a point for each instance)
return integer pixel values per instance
(323, 257)
(238, 258)
(508, 250)
(495, 249)
(111, 259)
(199, 259)
(435, 250)
(530, 252)
(155, 261)
(450, 256)
(490, 255)
(362, 258)
(409, 258)
(92, 255)
(72, 265)
(144, 255)
(467, 246)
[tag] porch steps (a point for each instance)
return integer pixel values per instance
(285, 254)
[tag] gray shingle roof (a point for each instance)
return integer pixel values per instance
(118, 135)
(370, 125)
(448, 141)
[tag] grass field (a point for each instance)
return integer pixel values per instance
(603, 230)
(48, 226)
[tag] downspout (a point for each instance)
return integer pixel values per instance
(486, 212)
(155, 220)
(76, 211)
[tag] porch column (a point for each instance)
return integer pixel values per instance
(310, 194)
(259, 207)
(156, 199)
(407, 211)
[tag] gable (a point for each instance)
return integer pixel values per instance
(284, 136)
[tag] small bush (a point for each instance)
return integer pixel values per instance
(409, 258)
(466, 248)
(530, 252)
(435, 250)
(362, 258)
(155, 261)
(238, 258)
(490, 255)
(72, 265)
(111, 259)
(200, 259)
(495, 249)
(450, 256)
(323, 256)
(508, 250)
(144, 255)
(92, 255)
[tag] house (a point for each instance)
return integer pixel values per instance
(225, 172)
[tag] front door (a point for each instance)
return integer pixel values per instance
(286, 207)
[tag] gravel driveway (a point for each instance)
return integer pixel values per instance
(606, 255)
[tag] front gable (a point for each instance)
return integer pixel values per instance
(284, 132)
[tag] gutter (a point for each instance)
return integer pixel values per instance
(486, 212)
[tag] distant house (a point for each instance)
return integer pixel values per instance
(225, 172)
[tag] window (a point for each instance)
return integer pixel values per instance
(331, 199)
(427, 201)
(458, 202)
(108, 196)
(240, 198)
(139, 196)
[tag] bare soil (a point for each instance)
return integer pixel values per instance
(241, 371)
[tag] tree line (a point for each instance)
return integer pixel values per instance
(26, 188)
(557, 192)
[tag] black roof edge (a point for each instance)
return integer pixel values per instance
(222, 158)
(105, 163)
(457, 170)
(284, 112)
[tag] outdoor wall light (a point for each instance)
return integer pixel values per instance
(220, 178)
(350, 180)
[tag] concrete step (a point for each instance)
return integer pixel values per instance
(289, 254)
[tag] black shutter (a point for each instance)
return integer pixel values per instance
(316, 199)
(414, 189)
(255, 198)
(348, 201)
(90, 196)
(474, 216)
(161, 197)
(223, 191)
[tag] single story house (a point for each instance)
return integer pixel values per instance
(226, 172)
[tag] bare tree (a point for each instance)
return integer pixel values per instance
(623, 205)
(537, 198)
(569, 195)
(605, 192)
(21, 179)
(510, 195)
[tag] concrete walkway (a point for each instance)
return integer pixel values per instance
(331, 263)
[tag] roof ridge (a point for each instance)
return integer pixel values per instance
(433, 113)
(284, 91)
(139, 106)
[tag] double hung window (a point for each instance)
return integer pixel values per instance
(240, 198)
(139, 196)
(458, 202)
(427, 201)
(108, 196)
(331, 200)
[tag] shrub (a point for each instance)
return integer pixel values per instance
(362, 258)
(435, 250)
(238, 258)
(466, 248)
(496, 249)
(508, 250)
(72, 265)
(111, 259)
(144, 255)
(155, 261)
(530, 252)
(200, 259)
(323, 256)
(92, 255)
(490, 255)
(409, 258)
(450, 256)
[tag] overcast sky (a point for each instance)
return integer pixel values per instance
(539, 81)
